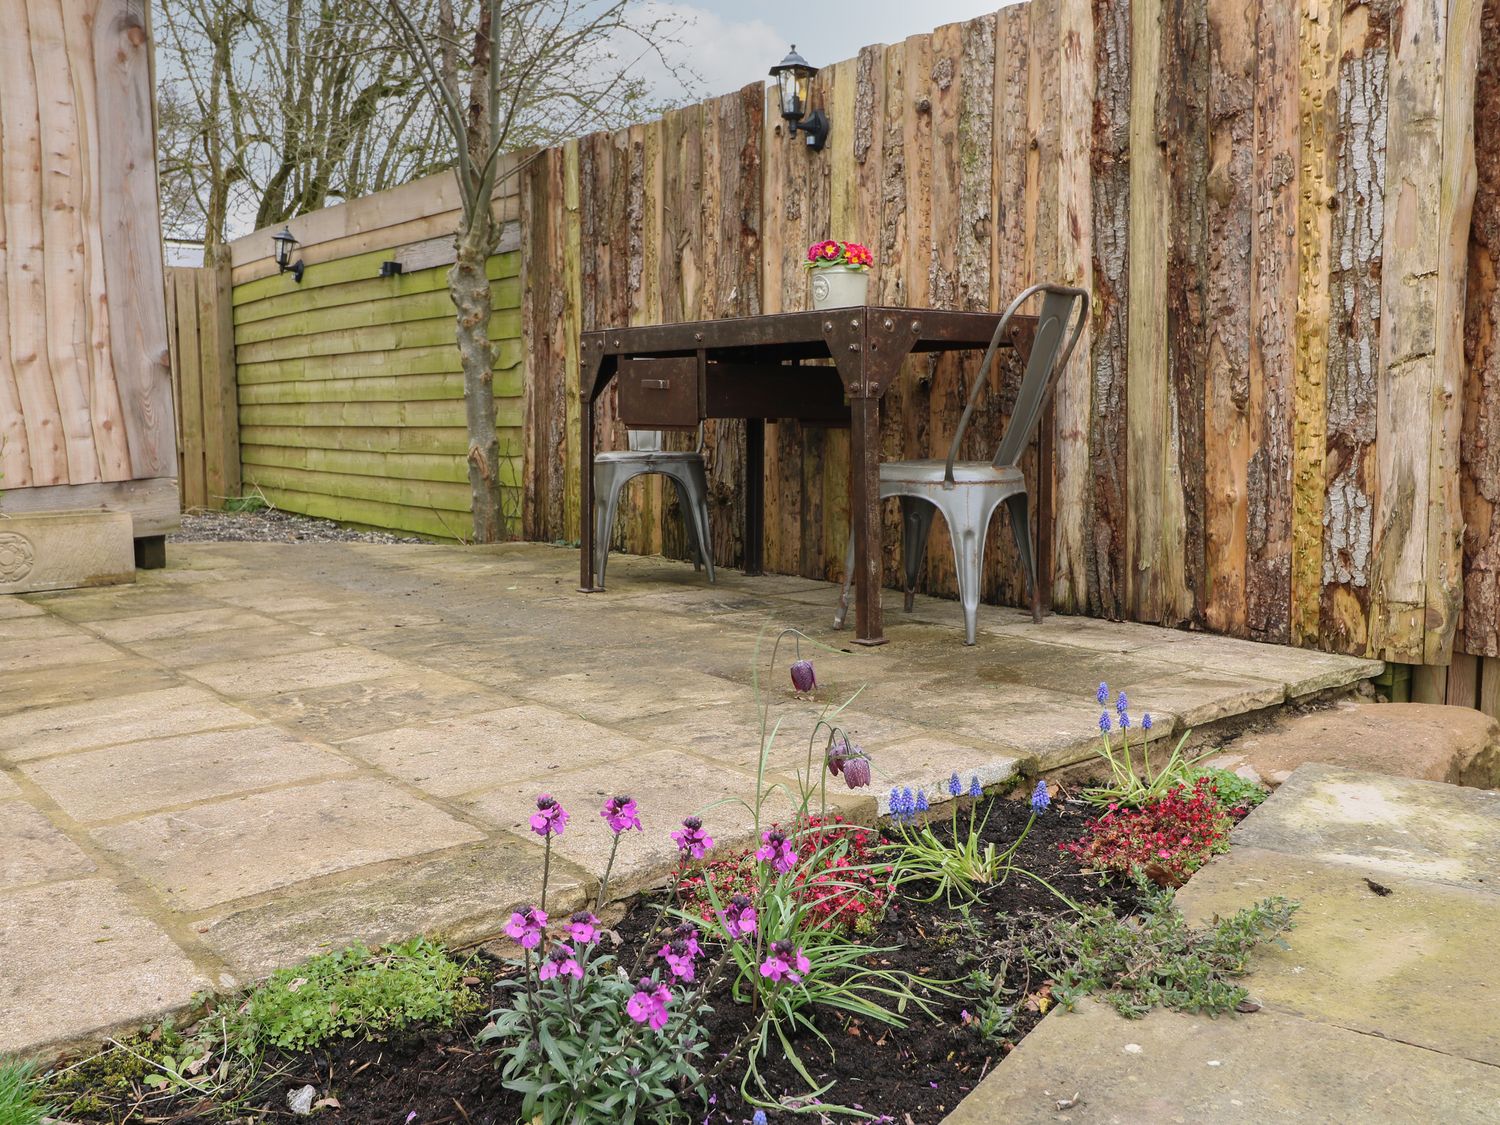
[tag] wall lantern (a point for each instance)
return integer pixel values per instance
(390, 269)
(793, 76)
(285, 243)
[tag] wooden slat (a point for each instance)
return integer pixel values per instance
(843, 224)
(153, 504)
(190, 380)
(1429, 683)
(1489, 686)
(1463, 681)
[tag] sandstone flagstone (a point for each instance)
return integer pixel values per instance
(115, 719)
(33, 849)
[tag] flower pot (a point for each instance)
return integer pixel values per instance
(837, 287)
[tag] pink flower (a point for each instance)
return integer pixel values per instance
(691, 839)
(583, 927)
(857, 770)
(679, 959)
(621, 815)
(777, 850)
(649, 1004)
(560, 962)
(784, 963)
(803, 678)
(739, 917)
(550, 817)
(527, 926)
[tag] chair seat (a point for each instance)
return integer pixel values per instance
(931, 471)
(644, 456)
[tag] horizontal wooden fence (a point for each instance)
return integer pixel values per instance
(1277, 427)
(351, 399)
(200, 341)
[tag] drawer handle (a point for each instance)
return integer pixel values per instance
(656, 384)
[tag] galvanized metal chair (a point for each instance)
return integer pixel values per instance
(968, 492)
(684, 469)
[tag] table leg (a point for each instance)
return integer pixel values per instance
(586, 495)
(755, 487)
(864, 503)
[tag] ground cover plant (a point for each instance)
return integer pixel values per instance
(829, 969)
(20, 1094)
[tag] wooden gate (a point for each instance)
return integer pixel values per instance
(201, 339)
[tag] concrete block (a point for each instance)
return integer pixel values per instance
(65, 550)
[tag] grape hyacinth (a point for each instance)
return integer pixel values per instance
(560, 963)
(803, 678)
(739, 917)
(1102, 695)
(785, 963)
(975, 789)
(649, 1004)
(583, 927)
(777, 850)
(955, 787)
(691, 840)
(527, 927)
(1146, 721)
(620, 813)
(922, 805)
(1121, 704)
(1040, 798)
(758, 1118)
(550, 817)
(1104, 724)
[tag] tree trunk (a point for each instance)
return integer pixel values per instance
(469, 286)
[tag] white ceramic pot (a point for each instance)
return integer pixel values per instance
(837, 287)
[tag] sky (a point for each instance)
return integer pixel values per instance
(733, 42)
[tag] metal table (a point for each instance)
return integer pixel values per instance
(672, 376)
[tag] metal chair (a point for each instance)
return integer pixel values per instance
(645, 455)
(968, 492)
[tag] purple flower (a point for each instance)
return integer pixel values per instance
(803, 678)
(583, 927)
(560, 963)
(1120, 703)
(758, 1118)
(649, 1004)
(1040, 798)
(857, 771)
(955, 787)
(777, 850)
(838, 754)
(687, 933)
(550, 817)
(1124, 721)
(922, 805)
(784, 963)
(975, 789)
(1146, 721)
(527, 927)
(1104, 721)
(739, 917)
(1103, 694)
(621, 814)
(691, 839)
(679, 958)
(908, 802)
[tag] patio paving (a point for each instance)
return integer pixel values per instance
(267, 750)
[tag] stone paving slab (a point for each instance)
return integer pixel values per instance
(270, 672)
(1414, 965)
(78, 958)
(177, 709)
(1383, 826)
(345, 711)
(33, 850)
(35, 689)
(1171, 1067)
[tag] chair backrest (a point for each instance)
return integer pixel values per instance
(1051, 348)
(644, 441)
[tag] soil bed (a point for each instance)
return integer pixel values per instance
(913, 1076)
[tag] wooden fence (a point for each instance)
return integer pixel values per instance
(200, 338)
(1274, 431)
(350, 386)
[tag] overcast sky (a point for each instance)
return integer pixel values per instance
(732, 42)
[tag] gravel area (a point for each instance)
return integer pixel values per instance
(272, 526)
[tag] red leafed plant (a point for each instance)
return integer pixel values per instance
(1168, 839)
(849, 892)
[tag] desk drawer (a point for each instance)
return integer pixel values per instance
(659, 394)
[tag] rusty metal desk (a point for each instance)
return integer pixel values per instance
(672, 376)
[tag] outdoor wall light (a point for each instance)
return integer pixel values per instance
(285, 242)
(793, 76)
(390, 269)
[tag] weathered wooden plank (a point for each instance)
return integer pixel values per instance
(843, 224)
(817, 204)
(410, 388)
(450, 441)
(433, 412)
(190, 380)
(1481, 399)
(1353, 337)
(1274, 280)
(1489, 686)
(1463, 681)
(153, 504)
(431, 523)
(15, 452)
(362, 288)
(883, 188)
(1429, 683)
(1110, 201)
(350, 462)
(132, 251)
(222, 393)
(504, 324)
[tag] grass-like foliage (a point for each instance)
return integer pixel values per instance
(357, 992)
(1155, 958)
(1237, 795)
(20, 1096)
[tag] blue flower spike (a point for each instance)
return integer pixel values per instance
(1040, 798)
(759, 1118)
(922, 805)
(1146, 721)
(955, 787)
(1103, 694)
(1120, 703)
(975, 789)
(1104, 723)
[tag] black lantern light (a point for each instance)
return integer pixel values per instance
(285, 242)
(793, 76)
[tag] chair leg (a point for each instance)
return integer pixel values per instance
(607, 486)
(841, 614)
(1020, 527)
(692, 489)
(916, 526)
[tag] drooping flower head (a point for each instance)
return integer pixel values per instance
(649, 1004)
(1040, 798)
(527, 926)
(857, 770)
(739, 917)
(955, 787)
(1102, 695)
(784, 962)
(621, 814)
(975, 789)
(803, 678)
(777, 850)
(550, 817)
(560, 963)
(839, 752)
(583, 927)
(691, 839)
